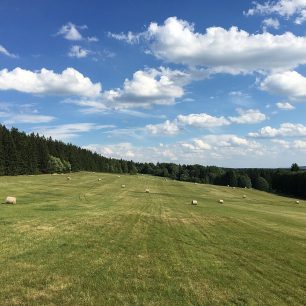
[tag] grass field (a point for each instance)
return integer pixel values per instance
(90, 242)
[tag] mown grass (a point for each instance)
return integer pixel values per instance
(90, 242)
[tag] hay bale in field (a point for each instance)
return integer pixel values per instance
(122, 186)
(234, 187)
(10, 200)
(68, 178)
(244, 196)
(228, 185)
(99, 180)
(194, 202)
(297, 202)
(221, 201)
(118, 175)
(54, 174)
(147, 190)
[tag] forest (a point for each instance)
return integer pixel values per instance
(23, 154)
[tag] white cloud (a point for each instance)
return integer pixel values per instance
(285, 130)
(6, 52)
(248, 116)
(11, 118)
(287, 83)
(204, 121)
(197, 144)
(221, 50)
(270, 23)
(201, 120)
(166, 128)
(151, 86)
(47, 82)
(226, 150)
(193, 120)
(299, 144)
(301, 18)
(284, 8)
(78, 52)
(282, 143)
(70, 31)
(285, 106)
(92, 39)
(68, 131)
(130, 38)
(147, 88)
(229, 140)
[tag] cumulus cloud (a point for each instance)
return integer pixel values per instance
(47, 82)
(287, 83)
(128, 151)
(285, 106)
(284, 8)
(4, 51)
(92, 39)
(151, 86)
(270, 23)
(206, 150)
(249, 116)
(285, 130)
(221, 50)
(202, 120)
(166, 128)
(147, 88)
(78, 52)
(70, 31)
(299, 144)
(282, 143)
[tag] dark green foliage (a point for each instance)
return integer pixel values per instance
(244, 181)
(261, 183)
(295, 167)
(55, 165)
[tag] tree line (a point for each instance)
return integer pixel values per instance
(21, 153)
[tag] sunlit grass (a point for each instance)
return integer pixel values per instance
(90, 242)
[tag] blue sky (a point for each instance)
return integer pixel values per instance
(210, 82)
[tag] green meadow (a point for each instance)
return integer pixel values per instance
(91, 242)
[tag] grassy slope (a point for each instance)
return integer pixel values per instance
(85, 242)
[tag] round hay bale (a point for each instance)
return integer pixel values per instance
(99, 180)
(194, 202)
(68, 178)
(147, 190)
(244, 196)
(10, 200)
(122, 186)
(221, 201)
(297, 202)
(118, 175)
(228, 185)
